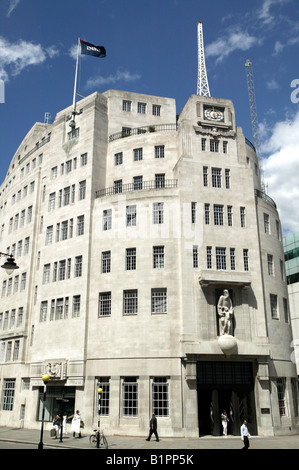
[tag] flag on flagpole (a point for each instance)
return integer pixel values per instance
(91, 49)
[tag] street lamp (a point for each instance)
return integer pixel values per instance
(10, 264)
(100, 391)
(46, 379)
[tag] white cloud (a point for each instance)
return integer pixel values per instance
(272, 84)
(12, 5)
(124, 76)
(264, 14)
(224, 46)
(15, 57)
(281, 170)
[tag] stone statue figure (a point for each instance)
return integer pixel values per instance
(225, 312)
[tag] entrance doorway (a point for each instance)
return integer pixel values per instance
(225, 386)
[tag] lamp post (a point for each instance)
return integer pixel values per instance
(10, 264)
(46, 379)
(100, 391)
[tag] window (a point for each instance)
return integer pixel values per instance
(68, 166)
(273, 306)
(205, 176)
(104, 304)
(49, 235)
(203, 144)
(232, 259)
(59, 309)
(218, 214)
(158, 257)
(267, 223)
(66, 196)
(158, 213)
(106, 261)
(137, 182)
(160, 180)
(207, 214)
(131, 216)
(242, 217)
(281, 395)
(46, 274)
(270, 265)
(78, 266)
(84, 159)
(76, 306)
(64, 229)
(82, 190)
(285, 310)
(80, 225)
(118, 186)
(130, 259)
(16, 350)
(245, 259)
(73, 134)
(126, 131)
(229, 216)
(216, 177)
(225, 146)
(107, 219)
(130, 396)
(127, 105)
(8, 394)
(137, 154)
(61, 274)
(227, 178)
(220, 258)
(29, 214)
(160, 396)
(118, 159)
(159, 300)
(156, 110)
(159, 151)
(193, 212)
(130, 302)
(209, 257)
(214, 145)
(195, 256)
(104, 384)
(141, 108)
(43, 311)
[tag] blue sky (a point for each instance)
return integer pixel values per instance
(152, 48)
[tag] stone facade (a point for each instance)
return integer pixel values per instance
(127, 228)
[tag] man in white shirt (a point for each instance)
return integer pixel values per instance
(245, 436)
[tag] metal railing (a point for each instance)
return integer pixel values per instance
(265, 196)
(138, 186)
(142, 130)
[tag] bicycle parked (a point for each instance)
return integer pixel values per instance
(98, 439)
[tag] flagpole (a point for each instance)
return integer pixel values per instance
(75, 84)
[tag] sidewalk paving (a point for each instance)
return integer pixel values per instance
(119, 443)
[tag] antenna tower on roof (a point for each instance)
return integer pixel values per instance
(202, 79)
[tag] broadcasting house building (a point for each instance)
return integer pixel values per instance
(151, 264)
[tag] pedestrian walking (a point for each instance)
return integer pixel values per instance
(57, 423)
(224, 421)
(245, 436)
(76, 424)
(153, 428)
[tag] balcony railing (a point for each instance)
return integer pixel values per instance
(140, 186)
(265, 196)
(143, 130)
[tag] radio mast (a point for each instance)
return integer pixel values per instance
(253, 117)
(202, 79)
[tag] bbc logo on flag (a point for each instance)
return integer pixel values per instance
(2, 94)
